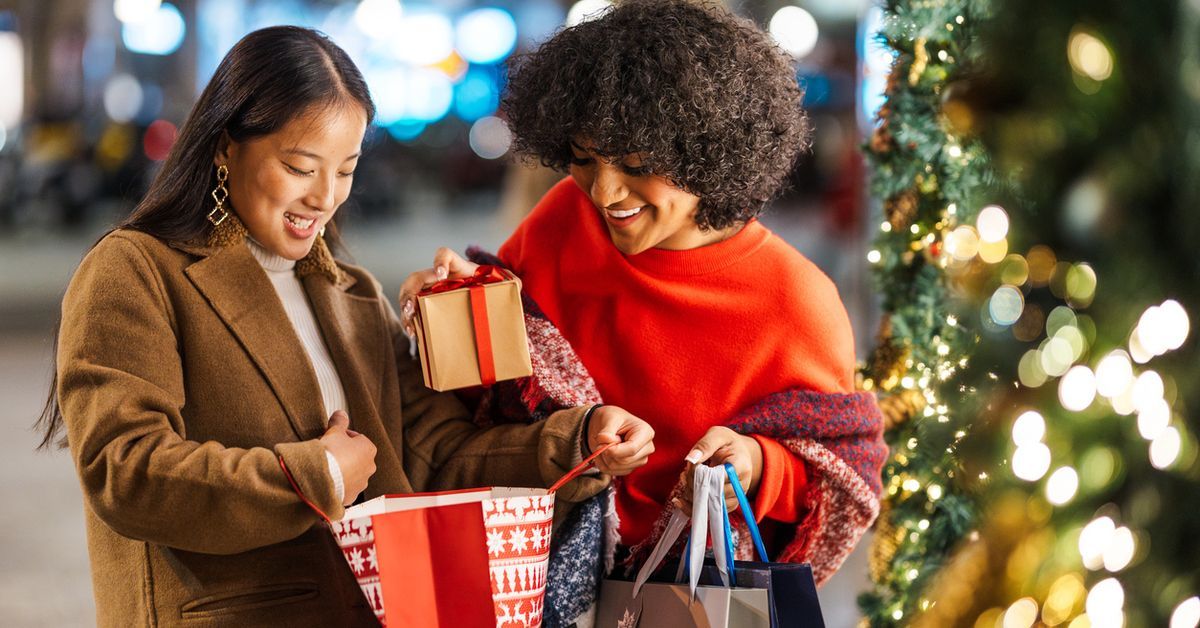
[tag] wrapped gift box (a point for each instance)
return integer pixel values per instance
(471, 331)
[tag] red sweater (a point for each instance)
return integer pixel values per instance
(684, 339)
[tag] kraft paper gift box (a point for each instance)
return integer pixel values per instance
(471, 331)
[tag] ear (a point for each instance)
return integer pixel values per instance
(225, 145)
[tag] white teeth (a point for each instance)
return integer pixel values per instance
(625, 214)
(302, 223)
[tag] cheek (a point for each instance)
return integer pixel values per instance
(582, 177)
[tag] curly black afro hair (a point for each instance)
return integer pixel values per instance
(705, 97)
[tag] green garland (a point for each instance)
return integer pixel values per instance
(927, 172)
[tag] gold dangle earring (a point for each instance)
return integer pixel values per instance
(219, 194)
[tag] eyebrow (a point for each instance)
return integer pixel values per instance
(304, 153)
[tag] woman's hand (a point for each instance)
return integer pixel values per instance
(355, 455)
(446, 265)
(718, 446)
(635, 438)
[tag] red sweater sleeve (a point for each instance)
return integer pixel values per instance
(782, 486)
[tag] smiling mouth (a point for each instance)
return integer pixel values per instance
(297, 221)
(626, 213)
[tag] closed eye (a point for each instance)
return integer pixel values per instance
(297, 171)
(581, 161)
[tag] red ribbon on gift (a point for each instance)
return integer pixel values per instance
(483, 276)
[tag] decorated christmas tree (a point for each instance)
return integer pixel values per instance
(1063, 445)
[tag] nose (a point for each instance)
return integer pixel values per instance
(322, 193)
(608, 187)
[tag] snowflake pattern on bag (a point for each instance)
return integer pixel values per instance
(517, 536)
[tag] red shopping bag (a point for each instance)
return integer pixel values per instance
(475, 557)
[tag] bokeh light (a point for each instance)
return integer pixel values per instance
(1030, 462)
(1029, 428)
(122, 97)
(1105, 601)
(1021, 614)
(423, 38)
(159, 34)
(795, 29)
(585, 10)
(1089, 56)
(159, 138)
(1094, 539)
(1006, 305)
(378, 19)
(485, 35)
(134, 11)
(1164, 450)
(1186, 614)
(1062, 485)
(1077, 389)
(992, 223)
(1153, 419)
(1120, 549)
(1114, 374)
(490, 137)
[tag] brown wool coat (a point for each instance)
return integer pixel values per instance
(182, 383)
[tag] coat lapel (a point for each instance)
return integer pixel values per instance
(239, 291)
(350, 326)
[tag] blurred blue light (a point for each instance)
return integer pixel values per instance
(538, 19)
(486, 35)
(409, 95)
(160, 34)
(876, 63)
(476, 96)
(406, 131)
(817, 89)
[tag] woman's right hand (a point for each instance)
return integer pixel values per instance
(355, 455)
(446, 265)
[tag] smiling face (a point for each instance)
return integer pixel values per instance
(640, 209)
(287, 185)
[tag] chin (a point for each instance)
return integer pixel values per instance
(626, 245)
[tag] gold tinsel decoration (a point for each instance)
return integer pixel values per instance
(889, 361)
(901, 209)
(920, 60)
(900, 407)
(885, 543)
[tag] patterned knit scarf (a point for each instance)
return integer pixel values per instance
(839, 437)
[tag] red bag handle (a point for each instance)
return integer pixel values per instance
(583, 466)
(571, 475)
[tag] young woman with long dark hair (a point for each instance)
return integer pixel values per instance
(212, 338)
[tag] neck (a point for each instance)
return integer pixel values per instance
(695, 238)
(269, 261)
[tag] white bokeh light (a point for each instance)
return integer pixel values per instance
(490, 137)
(1120, 549)
(1165, 449)
(1093, 540)
(423, 38)
(992, 223)
(1153, 418)
(134, 11)
(1029, 428)
(1077, 389)
(378, 19)
(122, 97)
(1147, 389)
(1105, 600)
(1030, 462)
(1114, 374)
(159, 34)
(485, 35)
(585, 10)
(795, 29)
(1061, 486)
(1187, 614)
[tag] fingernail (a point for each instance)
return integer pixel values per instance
(408, 307)
(694, 456)
(442, 273)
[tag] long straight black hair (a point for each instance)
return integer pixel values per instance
(267, 79)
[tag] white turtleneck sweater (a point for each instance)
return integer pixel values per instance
(282, 273)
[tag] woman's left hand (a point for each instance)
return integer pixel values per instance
(718, 446)
(446, 265)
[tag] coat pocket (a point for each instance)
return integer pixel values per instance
(249, 599)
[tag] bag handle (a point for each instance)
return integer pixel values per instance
(578, 470)
(747, 513)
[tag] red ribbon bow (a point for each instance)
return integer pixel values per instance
(483, 275)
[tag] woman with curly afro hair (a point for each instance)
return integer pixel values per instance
(651, 284)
